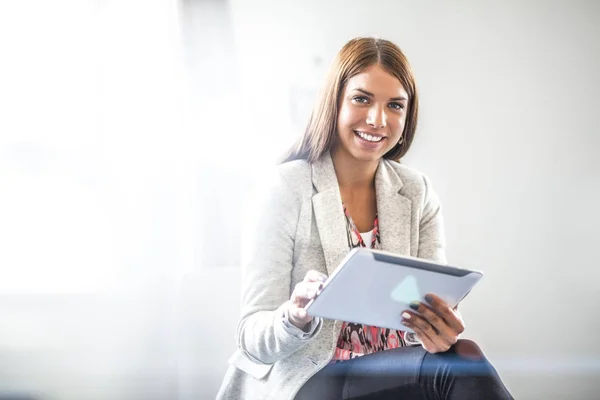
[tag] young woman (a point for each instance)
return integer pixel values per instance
(341, 186)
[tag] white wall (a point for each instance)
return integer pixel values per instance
(93, 199)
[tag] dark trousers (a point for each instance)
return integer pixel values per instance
(408, 373)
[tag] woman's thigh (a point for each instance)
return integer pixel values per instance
(463, 372)
(368, 376)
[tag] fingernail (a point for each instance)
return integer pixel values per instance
(429, 298)
(414, 305)
(405, 315)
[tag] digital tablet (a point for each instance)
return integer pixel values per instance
(374, 287)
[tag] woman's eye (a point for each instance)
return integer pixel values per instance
(396, 106)
(360, 99)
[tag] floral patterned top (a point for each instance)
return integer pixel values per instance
(356, 340)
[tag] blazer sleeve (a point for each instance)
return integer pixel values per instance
(432, 244)
(267, 258)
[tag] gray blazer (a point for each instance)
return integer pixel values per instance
(301, 226)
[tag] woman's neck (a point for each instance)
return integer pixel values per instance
(353, 174)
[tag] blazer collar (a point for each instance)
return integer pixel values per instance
(393, 209)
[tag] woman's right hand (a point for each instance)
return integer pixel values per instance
(304, 292)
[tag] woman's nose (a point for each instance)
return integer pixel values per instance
(376, 118)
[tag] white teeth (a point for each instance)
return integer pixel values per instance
(369, 137)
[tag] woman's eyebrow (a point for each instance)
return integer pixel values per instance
(365, 92)
(372, 95)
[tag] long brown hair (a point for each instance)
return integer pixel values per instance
(356, 55)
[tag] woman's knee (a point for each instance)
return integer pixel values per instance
(468, 350)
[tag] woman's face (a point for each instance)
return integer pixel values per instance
(372, 115)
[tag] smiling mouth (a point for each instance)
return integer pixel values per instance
(368, 137)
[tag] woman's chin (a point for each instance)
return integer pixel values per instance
(362, 154)
(366, 156)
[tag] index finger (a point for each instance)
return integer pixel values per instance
(315, 276)
(443, 309)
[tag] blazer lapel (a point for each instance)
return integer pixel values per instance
(394, 211)
(329, 214)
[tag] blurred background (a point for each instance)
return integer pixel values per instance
(131, 133)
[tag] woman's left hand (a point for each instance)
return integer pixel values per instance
(437, 325)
